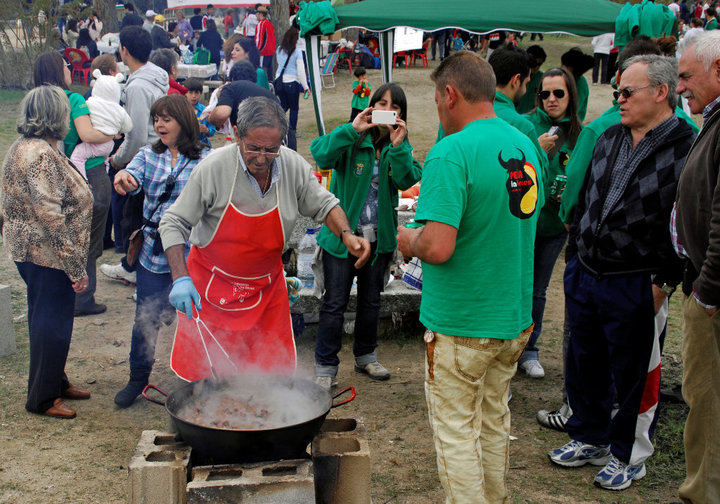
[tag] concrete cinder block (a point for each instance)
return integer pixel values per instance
(351, 426)
(157, 473)
(286, 482)
(7, 331)
(342, 468)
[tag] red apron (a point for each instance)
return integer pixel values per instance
(244, 325)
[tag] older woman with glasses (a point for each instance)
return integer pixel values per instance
(557, 126)
(47, 206)
(161, 170)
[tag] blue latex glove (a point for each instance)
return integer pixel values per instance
(293, 286)
(183, 295)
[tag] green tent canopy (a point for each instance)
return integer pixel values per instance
(578, 17)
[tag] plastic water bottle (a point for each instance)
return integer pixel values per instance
(305, 256)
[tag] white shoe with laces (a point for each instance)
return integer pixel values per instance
(533, 368)
(374, 370)
(117, 272)
(554, 419)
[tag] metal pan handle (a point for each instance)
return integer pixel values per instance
(345, 401)
(156, 401)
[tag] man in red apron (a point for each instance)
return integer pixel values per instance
(238, 208)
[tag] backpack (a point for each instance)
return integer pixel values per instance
(202, 56)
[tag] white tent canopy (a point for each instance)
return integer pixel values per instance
(192, 4)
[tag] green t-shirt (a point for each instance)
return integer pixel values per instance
(362, 100)
(583, 91)
(261, 79)
(78, 108)
(527, 102)
(475, 181)
(712, 24)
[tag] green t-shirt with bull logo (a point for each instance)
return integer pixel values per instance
(484, 181)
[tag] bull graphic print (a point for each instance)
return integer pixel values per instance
(522, 186)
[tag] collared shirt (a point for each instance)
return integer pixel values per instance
(151, 171)
(629, 158)
(274, 175)
(711, 108)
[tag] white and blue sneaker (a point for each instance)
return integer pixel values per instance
(577, 453)
(617, 475)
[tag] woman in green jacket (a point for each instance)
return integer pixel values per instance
(370, 163)
(557, 105)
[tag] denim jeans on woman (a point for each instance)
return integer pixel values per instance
(290, 100)
(339, 274)
(547, 251)
(153, 309)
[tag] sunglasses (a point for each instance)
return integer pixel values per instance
(559, 93)
(628, 92)
(169, 186)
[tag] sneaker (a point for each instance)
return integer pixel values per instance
(374, 370)
(554, 419)
(117, 272)
(577, 453)
(326, 382)
(617, 475)
(533, 368)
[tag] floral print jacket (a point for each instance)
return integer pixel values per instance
(47, 206)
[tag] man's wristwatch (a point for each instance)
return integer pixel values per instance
(345, 231)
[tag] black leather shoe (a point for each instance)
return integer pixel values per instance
(96, 309)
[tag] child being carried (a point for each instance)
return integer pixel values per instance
(106, 115)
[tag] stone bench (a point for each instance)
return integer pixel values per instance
(397, 297)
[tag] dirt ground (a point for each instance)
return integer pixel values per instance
(85, 460)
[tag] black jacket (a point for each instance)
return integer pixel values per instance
(635, 236)
(698, 212)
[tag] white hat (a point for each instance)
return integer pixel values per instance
(150, 13)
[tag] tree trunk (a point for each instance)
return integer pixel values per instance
(280, 16)
(108, 15)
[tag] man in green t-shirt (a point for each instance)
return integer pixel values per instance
(511, 66)
(480, 201)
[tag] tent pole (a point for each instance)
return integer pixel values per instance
(313, 50)
(387, 42)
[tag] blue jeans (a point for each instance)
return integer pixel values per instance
(547, 251)
(289, 96)
(153, 309)
(339, 274)
(51, 303)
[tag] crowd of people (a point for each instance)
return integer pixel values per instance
(513, 179)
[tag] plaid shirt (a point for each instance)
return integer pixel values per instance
(151, 171)
(628, 159)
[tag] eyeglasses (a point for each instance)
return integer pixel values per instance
(628, 92)
(269, 152)
(559, 94)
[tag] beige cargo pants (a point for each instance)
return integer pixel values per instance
(466, 387)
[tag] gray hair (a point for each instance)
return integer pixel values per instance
(260, 112)
(660, 70)
(165, 59)
(707, 48)
(44, 113)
